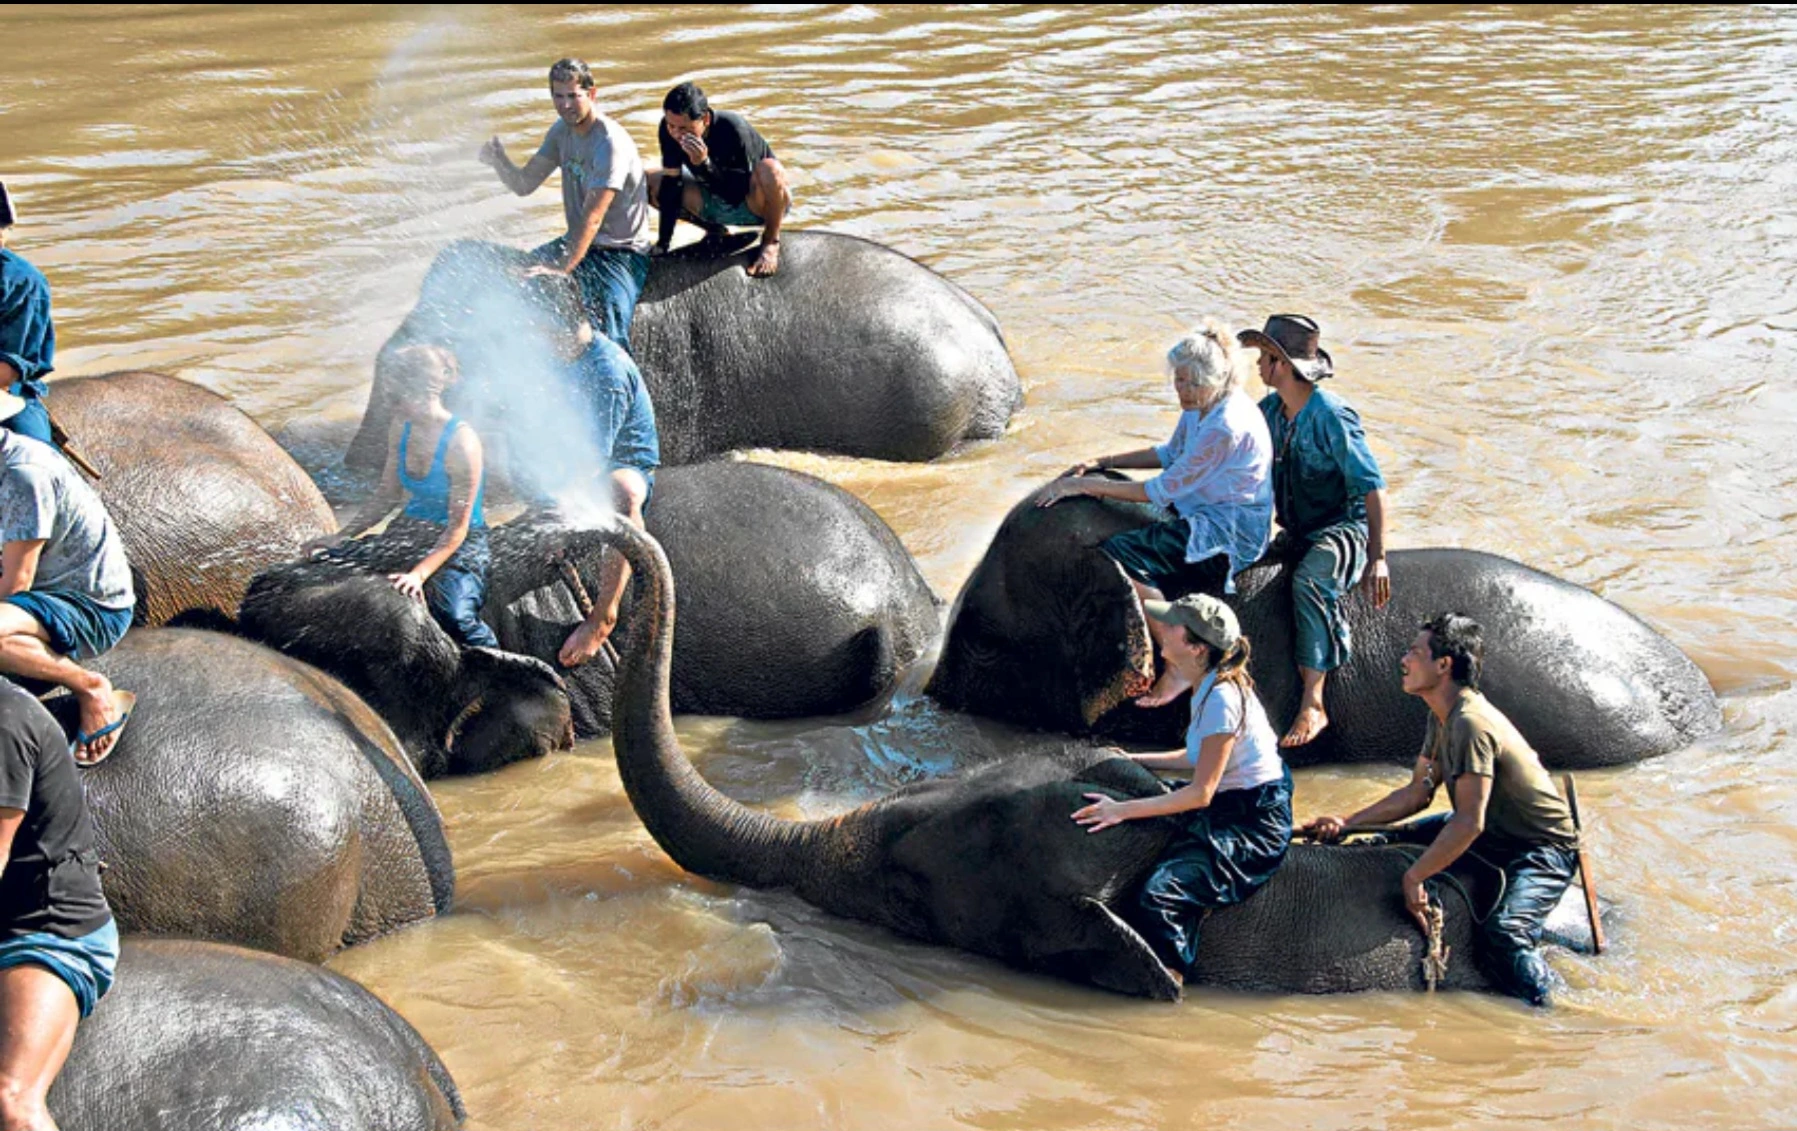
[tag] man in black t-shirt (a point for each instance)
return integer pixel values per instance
(58, 943)
(717, 172)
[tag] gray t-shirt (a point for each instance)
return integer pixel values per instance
(604, 158)
(42, 496)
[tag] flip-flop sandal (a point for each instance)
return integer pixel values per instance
(126, 702)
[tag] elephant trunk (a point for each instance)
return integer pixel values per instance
(702, 829)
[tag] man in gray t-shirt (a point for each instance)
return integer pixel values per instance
(606, 248)
(65, 587)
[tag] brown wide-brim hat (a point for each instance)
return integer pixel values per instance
(1293, 338)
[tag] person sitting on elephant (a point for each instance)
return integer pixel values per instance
(614, 440)
(717, 171)
(606, 248)
(1506, 809)
(443, 497)
(1213, 480)
(58, 943)
(27, 334)
(1329, 499)
(1237, 809)
(65, 585)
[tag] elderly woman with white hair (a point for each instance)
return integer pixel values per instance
(1214, 481)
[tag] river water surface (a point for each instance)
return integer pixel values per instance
(1553, 255)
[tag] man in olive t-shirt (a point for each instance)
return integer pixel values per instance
(1505, 806)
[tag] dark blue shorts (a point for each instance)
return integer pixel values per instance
(1155, 555)
(85, 964)
(78, 626)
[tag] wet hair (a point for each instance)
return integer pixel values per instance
(572, 70)
(1207, 356)
(686, 100)
(1231, 667)
(423, 367)
(555, 300)
(1460, 639)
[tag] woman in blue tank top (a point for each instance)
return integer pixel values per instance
(442, 496)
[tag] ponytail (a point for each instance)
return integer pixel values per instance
(1232, 667)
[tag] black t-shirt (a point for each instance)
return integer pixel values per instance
(733, 150)
(51, 880)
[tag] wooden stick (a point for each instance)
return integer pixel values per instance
(1585, 877)
(60, 437)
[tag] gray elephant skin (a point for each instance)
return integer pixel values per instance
(1047, 633)
(851, 348)
(255, 800)
(202, 497)
(803, 603)
(992, 862)
(201, 1037)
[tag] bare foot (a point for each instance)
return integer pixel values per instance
(99, 710)
(1169, 687)
(585, 641)
(767, 262)
(1305, 728)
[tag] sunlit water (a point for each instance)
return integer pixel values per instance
(1553, 256)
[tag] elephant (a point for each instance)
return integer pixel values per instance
(1047, 632)
(991, 861)
(852, 348)
(195, 1036)
(203, 499)
(804, 603)
(255, 800)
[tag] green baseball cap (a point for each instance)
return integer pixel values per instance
(1209, 619)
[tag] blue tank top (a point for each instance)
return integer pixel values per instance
(429, 500)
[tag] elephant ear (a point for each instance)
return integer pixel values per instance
(513, 707)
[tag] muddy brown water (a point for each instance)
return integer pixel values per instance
(1553, 255)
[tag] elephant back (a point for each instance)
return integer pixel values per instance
(196, 1034)
(254, 799)
(203, 497)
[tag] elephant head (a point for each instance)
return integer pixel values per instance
(455, 709)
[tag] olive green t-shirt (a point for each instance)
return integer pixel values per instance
(1524, 807)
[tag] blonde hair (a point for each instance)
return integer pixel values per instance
(425, 368)
(1207, 357)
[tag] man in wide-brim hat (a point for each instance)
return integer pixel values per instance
(1328, 497)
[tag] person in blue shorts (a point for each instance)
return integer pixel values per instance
(65, 586)
(435, 466)
(1328, 498)
(58, 943)
(717, 172)
(27, 334)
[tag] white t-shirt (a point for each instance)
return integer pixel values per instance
(605, 158)
(1217, 709)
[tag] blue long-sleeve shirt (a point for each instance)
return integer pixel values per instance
(27, 336)
(1322, 467)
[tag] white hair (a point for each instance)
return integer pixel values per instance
(1207, 356)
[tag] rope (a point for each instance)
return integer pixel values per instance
(1435, 958)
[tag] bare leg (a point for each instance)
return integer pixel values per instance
(25, 650)
(1171, 683)
(38, 1015)
(1311, 717)
(769, 198)
(629, 491)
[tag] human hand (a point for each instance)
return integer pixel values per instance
(492, 153)
(1062, 488)
(1104, 812)
(411, 583)
(694, 147)
(1079, 469)
(1416, 900)
(1377, 582)
(1326, 829)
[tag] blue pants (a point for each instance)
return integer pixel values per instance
(78, 626)
(455, 597)
(1535, 877)
(1223, 855)
(34, 419)
(611, 281)
(1328, 572)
